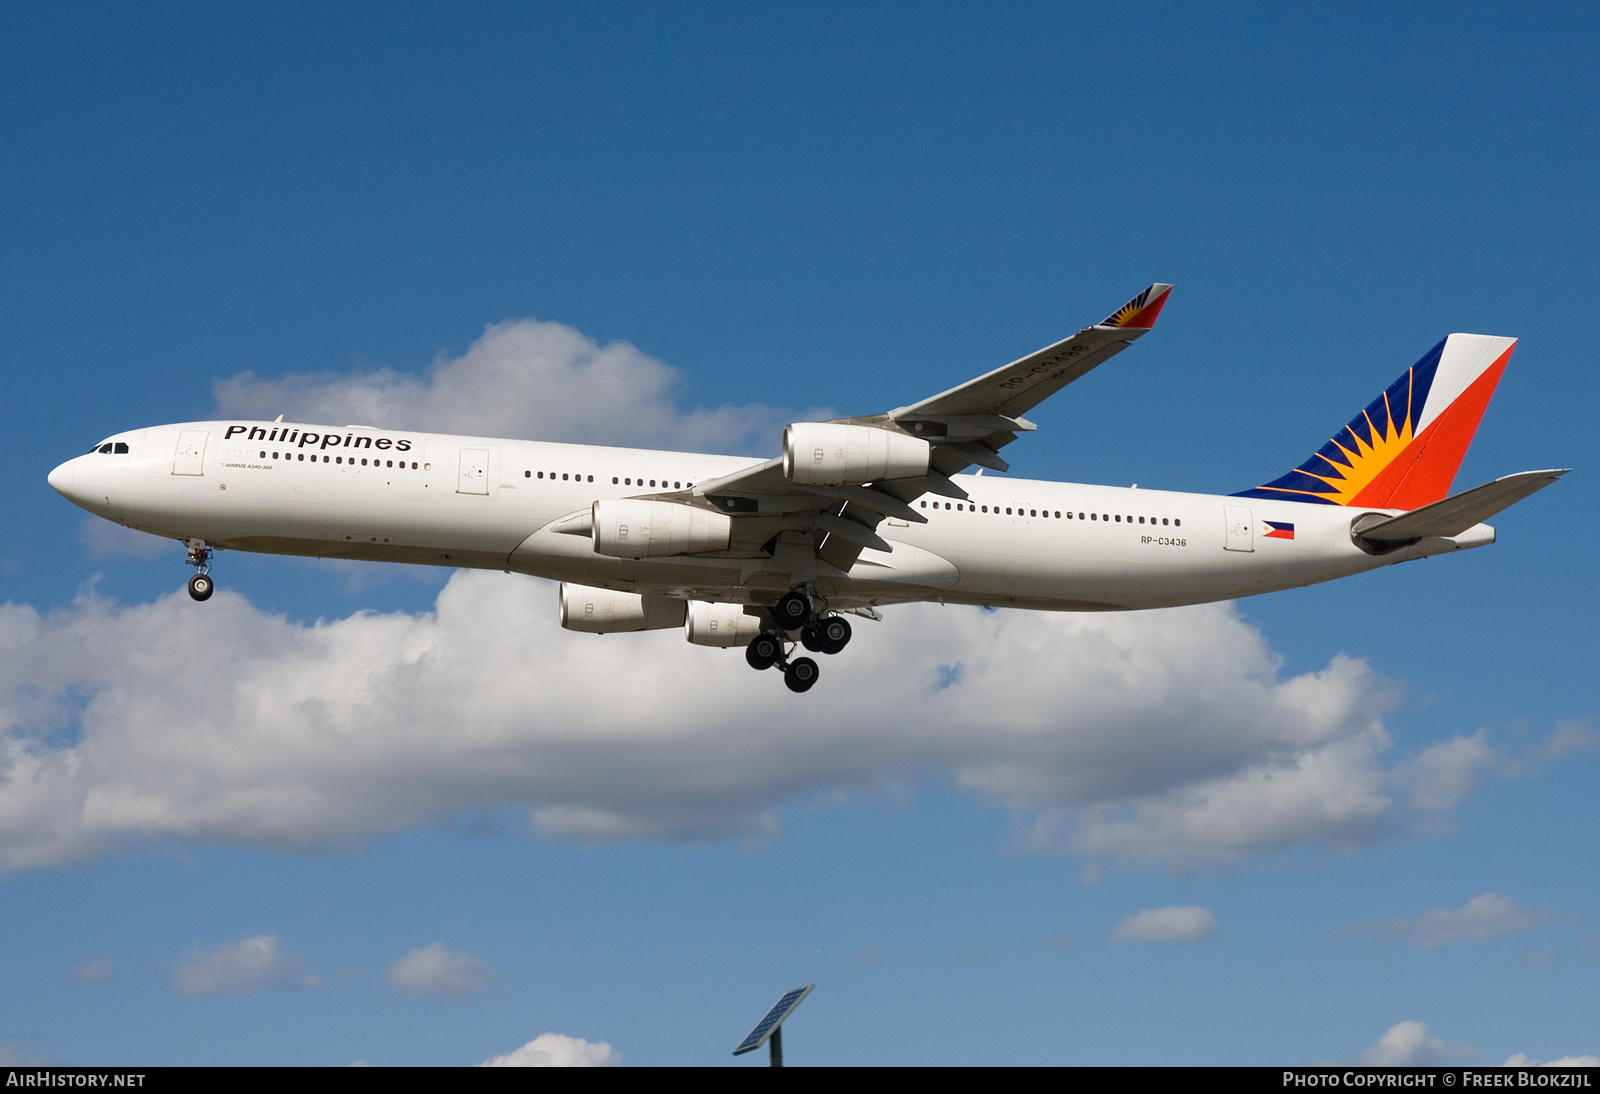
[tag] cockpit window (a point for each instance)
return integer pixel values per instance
(121, 448)
(104, 449)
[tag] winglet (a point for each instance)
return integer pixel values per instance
(1140, 312)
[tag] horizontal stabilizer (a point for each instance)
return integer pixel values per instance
(1455, 515)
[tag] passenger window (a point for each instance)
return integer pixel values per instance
(263, 455)
(527, 474)
(591, 478)
(1177, 523)
(1058, 516)
(1008, 510)
(613, 480)
(1094, 516)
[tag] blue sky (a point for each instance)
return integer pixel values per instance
(838, 208)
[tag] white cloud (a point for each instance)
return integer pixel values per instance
(1152, 737)
(559, 1050)
(1481, 917)
(439, 970)
(238, 968)
(1407, 1044)
(1568, 738)
(94, 970)
(1174, 923)
(1440, 777)
(522, 378)
(1521, 1060)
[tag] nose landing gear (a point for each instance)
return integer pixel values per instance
(200, 585)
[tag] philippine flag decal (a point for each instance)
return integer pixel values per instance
(1277, 529)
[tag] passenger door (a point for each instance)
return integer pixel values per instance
(190, 458)
(1240, 528)
(474, 475)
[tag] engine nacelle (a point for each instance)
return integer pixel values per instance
(827, 454)
(720, 624)
(639, 528)
(607, 611)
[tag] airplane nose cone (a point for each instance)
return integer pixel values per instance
(61, 479)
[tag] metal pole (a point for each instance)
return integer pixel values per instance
(775, 1045)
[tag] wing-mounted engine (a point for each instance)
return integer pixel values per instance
(838, 454)
(720, 624)
(607, 611)
(641, 528)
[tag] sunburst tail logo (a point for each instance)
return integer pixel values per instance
(1403, 450)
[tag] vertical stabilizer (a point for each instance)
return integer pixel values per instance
(1403, 450)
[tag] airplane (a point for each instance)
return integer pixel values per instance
(854, 515)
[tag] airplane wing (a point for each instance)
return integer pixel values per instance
(966, 425)
(1013, 390)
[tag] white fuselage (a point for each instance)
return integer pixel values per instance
(399, 496)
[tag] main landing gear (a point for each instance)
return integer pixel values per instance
(200, 585)
(826, 634)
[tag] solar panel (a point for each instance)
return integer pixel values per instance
(780, 1010)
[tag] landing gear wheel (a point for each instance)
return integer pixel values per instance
(832, 634)
(800, 675)
(764, 651)
(811, 640)
(793, 612)
(201, 587)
